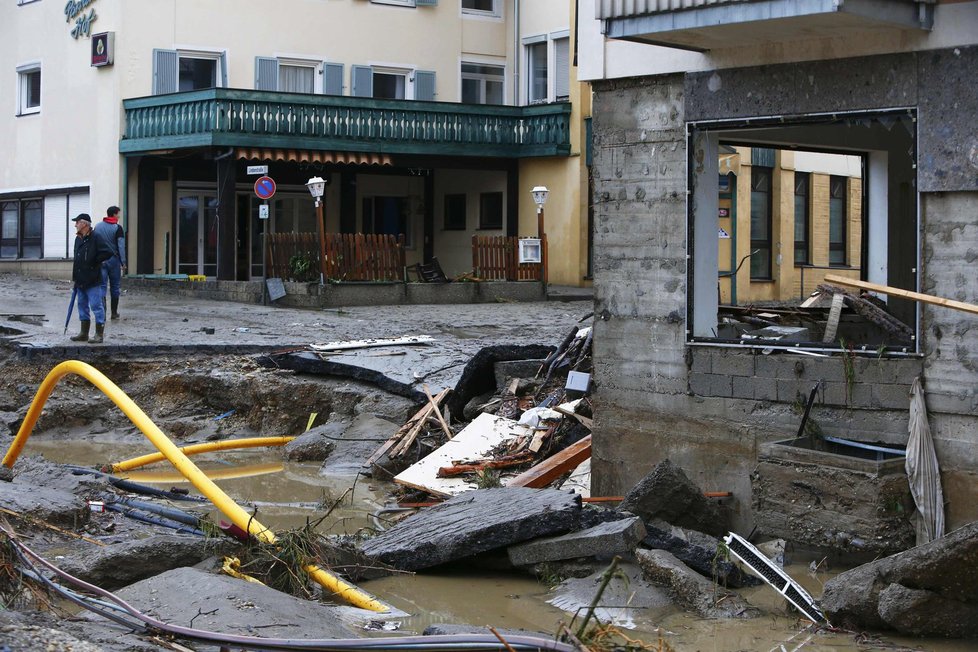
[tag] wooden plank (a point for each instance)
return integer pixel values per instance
(554, 466)
(434, 408)
(475, 441)
(906, 294)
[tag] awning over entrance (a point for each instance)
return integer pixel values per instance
(311, 156)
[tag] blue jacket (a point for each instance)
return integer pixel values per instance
(115, 236)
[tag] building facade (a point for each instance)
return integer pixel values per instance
(431, 120)
(680, 89)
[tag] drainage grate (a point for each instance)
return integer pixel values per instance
(777, 578)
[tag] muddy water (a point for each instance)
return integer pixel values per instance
(288, 494)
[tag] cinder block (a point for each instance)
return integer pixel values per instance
(702, 360)
(765, 389)
(700, 384)
(743, 387)
(721, 385)
(894, 397)
(789, 391)
(734, 363)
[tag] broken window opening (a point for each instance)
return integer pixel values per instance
(777, 205)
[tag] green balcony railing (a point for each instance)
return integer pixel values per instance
(243, 118)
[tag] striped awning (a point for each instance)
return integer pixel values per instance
(311, 156)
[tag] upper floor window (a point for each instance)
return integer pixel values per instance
(482, 83)
(298, 76)
(481, 7)
(185, 70)
(29, 88)
(547, 67)
(392, 83)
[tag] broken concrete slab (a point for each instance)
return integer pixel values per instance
(604, 540)
(942, 578)
(226, 604)
(504, 370)
(474, 522)
(691, 590)
(627, 596)
(355, 440)
(699, 551)
(36, 471)
(120, 564)
(668, 493)
(52, 506)
(478, 377)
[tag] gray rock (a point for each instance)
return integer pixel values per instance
(36, 471)
(474, 522)
(452, 629)
(667, 493)
(218, 602)
(504, 370)
(920, 613)
(946, 568)
(605, 540)
(120, 564)
(53, 506)
(691, 590)
(697, 550)
(315, 444)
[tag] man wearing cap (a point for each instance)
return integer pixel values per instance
(86, 272)
(111, 231)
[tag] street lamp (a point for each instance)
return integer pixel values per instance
(540, 198)
(317, 186)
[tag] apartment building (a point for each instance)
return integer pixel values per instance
(429, 119)
(686, 92)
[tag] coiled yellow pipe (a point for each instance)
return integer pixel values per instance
(207, 447)
(205, 485)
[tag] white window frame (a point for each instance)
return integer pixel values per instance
(551, 54)
(481, 62)
(396, 3)
(301, 62)
(496, 13)
(393, 69)
(219, 56)
(24, 72)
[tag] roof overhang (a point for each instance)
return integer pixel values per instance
(310, 156)
(706, 25)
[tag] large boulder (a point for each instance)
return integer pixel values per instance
(472, 523)
(930, 590)
(699, 551)
(667, 493)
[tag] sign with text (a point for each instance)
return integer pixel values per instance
(263, 211)
(257, 169)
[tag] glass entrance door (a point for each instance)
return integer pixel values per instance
(197, 233)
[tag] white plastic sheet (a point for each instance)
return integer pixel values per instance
(923, 471)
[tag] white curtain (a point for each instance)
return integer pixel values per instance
(923, 471)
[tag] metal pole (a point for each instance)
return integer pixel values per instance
(322, 241)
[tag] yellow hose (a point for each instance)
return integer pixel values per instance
(230, 473)
(207, 447)
(205, 485)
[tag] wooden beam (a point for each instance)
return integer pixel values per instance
(554, 466)
(906, 294)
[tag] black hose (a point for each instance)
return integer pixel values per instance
(153, 519)
(161, 510)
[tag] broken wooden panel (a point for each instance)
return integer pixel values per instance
(554, 466)
(828, 499)
(475, 441)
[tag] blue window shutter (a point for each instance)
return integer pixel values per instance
(165, 66)
(266, 74)
(425, 3)
(363, 81)
(224, 70)
(332, 78)
(424, 85)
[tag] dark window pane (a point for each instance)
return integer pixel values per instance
(388, 86)
(477, 5)
(455, 212)
(801, 218)
(760, 222)
(196, 74)
(491, 210)
(537, 56)
(34, 89)
(837, 221)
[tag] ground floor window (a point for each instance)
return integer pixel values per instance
(21, 228)
(779, 207)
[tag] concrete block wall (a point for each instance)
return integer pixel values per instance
(708, 408)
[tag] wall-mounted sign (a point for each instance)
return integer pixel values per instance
(724, 212)
(103, 49)
(75, 11)
(265, 188)
(257, 169)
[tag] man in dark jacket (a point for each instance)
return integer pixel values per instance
(86, 272)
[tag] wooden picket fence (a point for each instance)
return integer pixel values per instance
(496, 258)
(349, 256)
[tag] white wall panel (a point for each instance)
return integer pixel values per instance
(55, 219)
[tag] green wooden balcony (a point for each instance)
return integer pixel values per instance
(223, 117)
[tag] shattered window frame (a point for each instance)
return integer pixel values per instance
(881, 146)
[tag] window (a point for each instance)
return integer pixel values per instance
(802, 182)
(536, 65)
(480, 7)
(561, 68)
(455, 212)
(392, 83)
(837, 220)
(175, 71)
(491, 210)
(760, 222)
(297, 78)
(29, 89)
(482, 83)
(21, 227)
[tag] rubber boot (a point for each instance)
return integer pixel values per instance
(99, 333)
(83, 334)
(115, 307)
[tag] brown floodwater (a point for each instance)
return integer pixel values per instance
(290, 495)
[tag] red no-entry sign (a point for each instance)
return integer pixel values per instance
(265, 187)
